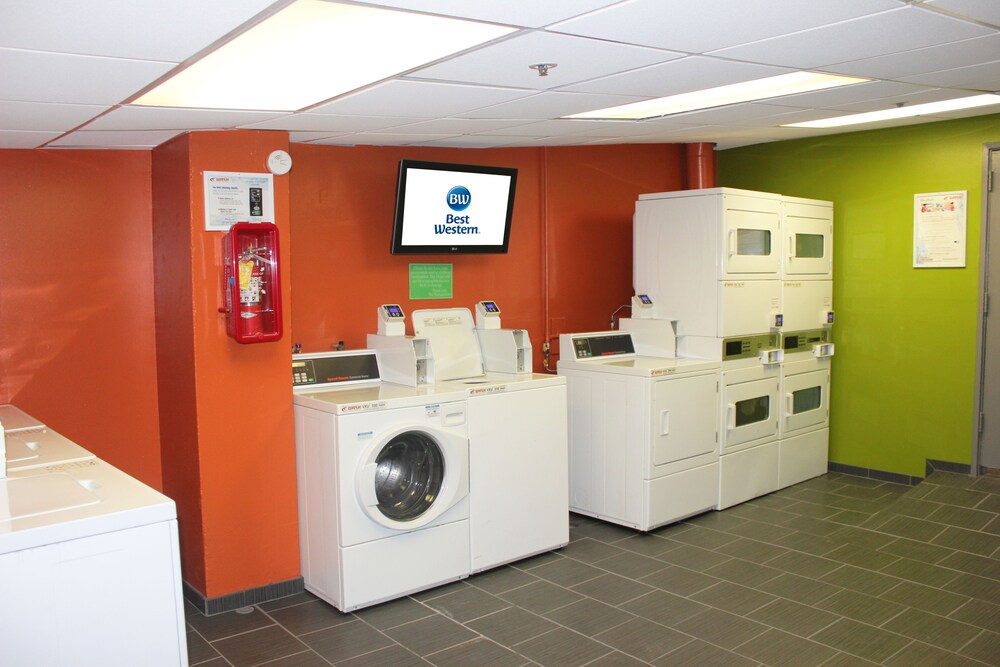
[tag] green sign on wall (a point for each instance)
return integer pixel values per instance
(430, 281)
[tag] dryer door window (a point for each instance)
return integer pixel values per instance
(409, 474)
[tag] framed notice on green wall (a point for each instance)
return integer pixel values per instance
(939, 222)
(430, 281)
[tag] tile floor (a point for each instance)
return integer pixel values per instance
(835, 571)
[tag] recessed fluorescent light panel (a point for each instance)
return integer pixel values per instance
(747, 91)
(902, 112)
(312, 51)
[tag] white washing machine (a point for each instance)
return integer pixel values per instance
(89, 569)
(643, 431)
(517, 432)
(804, 427)
(383, 481)
(748, 412)
(14, 418)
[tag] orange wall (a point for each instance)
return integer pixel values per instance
(226, 408)
(77, 348)
(572, 231)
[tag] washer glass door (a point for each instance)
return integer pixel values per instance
(409, 475)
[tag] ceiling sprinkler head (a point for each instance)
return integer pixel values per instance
(543, 68)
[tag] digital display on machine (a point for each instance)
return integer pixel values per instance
(603, 346)
(829, 317)
(734, 347)
(791, 342)
(334, 369)
(643, 298)
(393, 310)
(490, 307)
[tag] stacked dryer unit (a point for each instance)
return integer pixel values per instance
(735, 268)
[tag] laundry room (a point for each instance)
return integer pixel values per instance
(113, 339)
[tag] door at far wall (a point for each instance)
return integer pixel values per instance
(989, 437)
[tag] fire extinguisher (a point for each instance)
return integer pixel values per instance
(252, 267)
(251, 282)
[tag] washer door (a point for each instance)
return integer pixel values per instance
(412, 477)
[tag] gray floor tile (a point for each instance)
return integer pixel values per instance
(761, 513)
(664, 608)
(394, 655)
(955, 496)
(803, 564)
(781, 649)
(918, 654)
(228, 624)
(962, 517)
(693, 558)
(799, 589)
(928, 598)
(680, 580)
(760, 531)
(861, 640)
(861, 607)
(307, 658)
(467, 604)
(612, 589)
(540, 597)
(813, 510)
(917, 550)
(632, 565)
(589, 550)
(733, 598)
(860, 579)
(198, 649)
(985, 647)
(257, 646)
(850, 517)
(721, 628)
(723, 521)
(511, 626)
(287, 601)
(847, 660)
(798, 619)
(602, 531)
(863, 557)
(706, 538)
(347, 640)
(810, 544)
(643, 639)
(862, 537)
(390, 614)
(743, 572)
(616, 659)
(980, 613)
(588, 617)
(501, 579)
(309, 617)
(913, 507)
(476, 652)
(752, 550)
(933, 629)
(703, 654)
(980, 588)
(646, 545)
(972, 541)
(566, 572)
(817, 527)
(562, 648)
(951, 479)
(430, 635)
(918, 572)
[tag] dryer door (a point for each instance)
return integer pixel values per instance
(412, 477)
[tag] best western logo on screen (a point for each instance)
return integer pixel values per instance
(458, 199)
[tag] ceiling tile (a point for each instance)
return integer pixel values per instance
(549, 105)
(901, 29)
(679, 76)
(161, 118)
(506, 63)
(426, 99)
(526, 14)
(987, 11)
(329, 123)
(933, 58)
(16, 139)
(984, 77)
(169, 30)
(35, 76)
(120, 139)
(46, 117)
(707, 25)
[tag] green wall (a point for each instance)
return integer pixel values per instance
(904, 371)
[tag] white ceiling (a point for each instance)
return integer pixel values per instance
(67, 69)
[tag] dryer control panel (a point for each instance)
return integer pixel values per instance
(747, 347)
(328, 369)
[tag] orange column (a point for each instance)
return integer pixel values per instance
(226, 424)
(700, 163)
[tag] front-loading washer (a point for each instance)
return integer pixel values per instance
(643, 431)
(383, 481)
(518, 439)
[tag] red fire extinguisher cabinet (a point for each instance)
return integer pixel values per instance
(252, 282)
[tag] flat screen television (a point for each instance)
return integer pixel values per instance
(452, 208)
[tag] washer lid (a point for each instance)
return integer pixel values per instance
(15, 419)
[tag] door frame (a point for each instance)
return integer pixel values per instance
(984, 258)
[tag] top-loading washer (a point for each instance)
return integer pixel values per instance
(643, 431)
(14, 418)
(518, 437)
(89, 569)
(383, 481)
